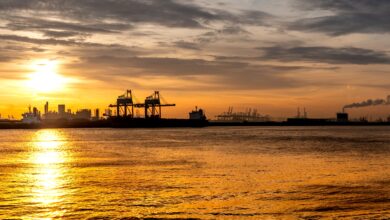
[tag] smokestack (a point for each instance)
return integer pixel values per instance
(369, 102)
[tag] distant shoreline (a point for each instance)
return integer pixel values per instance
(174, 123)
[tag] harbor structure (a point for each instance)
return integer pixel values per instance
(152, 105)
(250, 115)
(342, 117)
(128, 112)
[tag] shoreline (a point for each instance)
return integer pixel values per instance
(174, 123)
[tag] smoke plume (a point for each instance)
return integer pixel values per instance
(369, 102)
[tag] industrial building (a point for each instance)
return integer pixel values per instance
(342, 117)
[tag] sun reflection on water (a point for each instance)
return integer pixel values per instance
(48, 158)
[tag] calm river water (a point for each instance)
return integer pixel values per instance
(208, 173)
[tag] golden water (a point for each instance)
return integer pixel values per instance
(259, 173)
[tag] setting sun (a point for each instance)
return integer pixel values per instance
(45, 77)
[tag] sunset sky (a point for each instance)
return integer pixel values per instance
(272, 55)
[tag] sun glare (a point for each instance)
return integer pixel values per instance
(45, 77)
(49, 155)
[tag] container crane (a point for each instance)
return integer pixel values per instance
(124, 105)
(153, 105)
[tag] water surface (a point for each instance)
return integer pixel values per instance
(208, 173)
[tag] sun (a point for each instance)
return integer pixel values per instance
(45, 76)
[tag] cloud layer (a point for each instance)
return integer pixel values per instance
(316, 45)
(345, 55)
(348, 16)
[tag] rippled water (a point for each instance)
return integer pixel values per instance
(208, 173)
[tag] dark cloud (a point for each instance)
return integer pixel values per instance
(255, 18)
(21, 47)
(177, 67)
(216, 35)
(232, 30)
(202, 40)
(71, 22)
(230, 75)
(62, 34)
(349, 16)
(368, 6)
(168, 12)
(54, 41)
(186, 45)
(39, 24)
(348, 55)
(48, 41)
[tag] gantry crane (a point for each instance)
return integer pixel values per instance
(124, 105)
(152, 105)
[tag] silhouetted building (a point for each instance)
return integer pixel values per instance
(84, 114)
(61, 110)
(46, 108)
(97, 114)
(342, 117)
(36, 112)
(51, 115)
